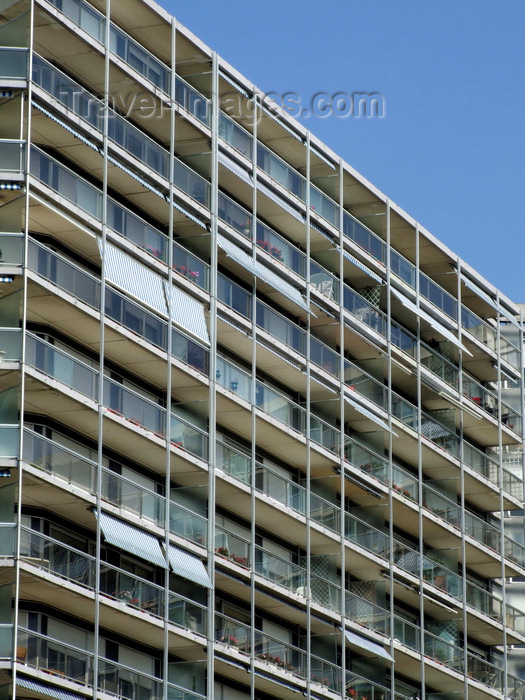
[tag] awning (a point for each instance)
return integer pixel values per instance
(367, 644)
(433, 430)
(131, 539)
(279, 121)
(235, 168)
(261, 271)
(487, 298)
(264, 273)
(49, 690)
(186, 312)
(280, 201)
(63, 124)
(429, 319)
(234, 83)
(136, 279)
(369, 414)
(189, 216)
(135, 176)
(235, 253)
(362, 267)
(188, 566)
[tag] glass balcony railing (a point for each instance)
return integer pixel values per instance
(366, 613)
(280, 249)
(56, 657)
(366, 536)
(187, 524)
(66, 183)
(60, 461)
(233, 378)
(364, 237)
(133, 498)
(49, 360)
(7, 539)
(358, 687)
(10, 345)
(63, 274)
(14, 63)
(188, 437)
(288, 333)
(488, 335)
(233, 462)
(187, 614)
(232, 547)
(279, 654)
(233, 633)
(238, 138)
(57, 558)
(191, 267)
(324, 206)
(280, 171)
(488, 401)
(366, 460)
(11, 249)
(131, 590)
(12, 156)
(135, 408)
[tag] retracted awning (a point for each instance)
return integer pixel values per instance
(45, 689)
(369, 414)
(280, 201)
(362, 267)
(235, 168)
(429, 319)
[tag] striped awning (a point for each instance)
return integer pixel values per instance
(234, 83)
(235, 253)
(369, 414)
(45, 689)
(362, 267)
(280, 201)
(189, 216)
(136, 279)
(186, 565)
(136, 177)
(266, 275)
(439, 327)
(131, 539)
(487, 298)
(367, 644)
(235, 168)
(187, 312)
(66, 127)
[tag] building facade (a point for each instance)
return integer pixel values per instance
(256, 439)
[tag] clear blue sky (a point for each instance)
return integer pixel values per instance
(450, 149)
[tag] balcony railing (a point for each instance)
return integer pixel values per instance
(13, 63)
(12, 155)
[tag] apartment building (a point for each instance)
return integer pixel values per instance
(256, 439)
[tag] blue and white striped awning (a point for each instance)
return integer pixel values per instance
(131, 539)
(367, 644)
(439, 327)
(11, 185)
(186, 565)
(190, 216)
(63, 124)
(187, 312)
(369, 414)
(320, 230)
(268, 276)
(235, 168)
(7, 93)
(362, 267)
(487, 298)
(279, 121)
(233, 82)
(136, 177)
(280, 201)
(322, 157)
(45, 689)
(235, 253)
(135, 279)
